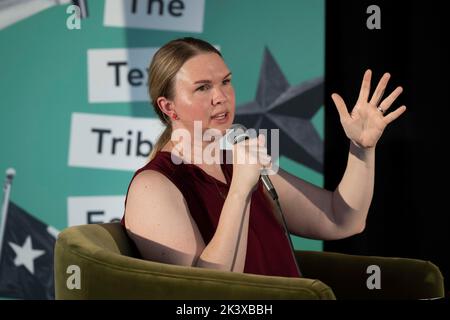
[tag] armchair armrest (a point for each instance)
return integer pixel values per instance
(109, 275)
(347, 275)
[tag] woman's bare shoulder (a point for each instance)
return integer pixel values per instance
(150, 179)
(151, 187)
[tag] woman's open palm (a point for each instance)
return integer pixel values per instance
(366, 122)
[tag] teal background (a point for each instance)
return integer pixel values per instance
(43, 80)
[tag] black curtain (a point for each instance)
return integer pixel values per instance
(409, 216)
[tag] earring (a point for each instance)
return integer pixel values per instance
(175, 117)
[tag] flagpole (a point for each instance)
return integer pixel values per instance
(10, 173)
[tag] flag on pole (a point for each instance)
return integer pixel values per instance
(26, 260)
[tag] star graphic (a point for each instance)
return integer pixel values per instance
(25, 254)
(290, 109)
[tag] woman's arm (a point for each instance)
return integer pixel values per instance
(232, 227)
(320, 214)
(316, 213)
(159, 222)
(351, 199)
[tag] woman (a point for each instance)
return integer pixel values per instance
(218, 215)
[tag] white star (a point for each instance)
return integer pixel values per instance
(25, 254)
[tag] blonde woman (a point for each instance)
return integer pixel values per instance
(219, 215)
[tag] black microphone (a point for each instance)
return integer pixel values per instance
(239, 133)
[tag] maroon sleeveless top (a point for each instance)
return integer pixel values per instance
(268, 250)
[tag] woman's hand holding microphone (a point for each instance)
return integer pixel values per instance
(249, 158)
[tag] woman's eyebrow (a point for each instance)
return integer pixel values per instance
(209, 81)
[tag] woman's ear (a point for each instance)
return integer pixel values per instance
(166, 106)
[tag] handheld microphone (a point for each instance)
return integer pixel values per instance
(239, 133)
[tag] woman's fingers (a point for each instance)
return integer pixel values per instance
(340, 105)
(365, 87)
(394, 114)
(264, 159)
(251, 150)
(379, 91)
(386, 103)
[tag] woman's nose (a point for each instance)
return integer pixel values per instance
(219, 96)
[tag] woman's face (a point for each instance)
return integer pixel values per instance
(203, 92)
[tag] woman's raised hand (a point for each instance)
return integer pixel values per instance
(365, 124)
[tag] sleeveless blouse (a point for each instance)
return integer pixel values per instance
(268, 249)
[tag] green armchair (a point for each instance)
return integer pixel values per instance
(109, 267)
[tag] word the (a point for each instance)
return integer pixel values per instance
(174, 7)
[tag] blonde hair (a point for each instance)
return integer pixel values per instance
(161, 77)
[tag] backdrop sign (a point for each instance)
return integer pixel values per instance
(93, 209)
(118, 75)
(173, 15)
(111, 142)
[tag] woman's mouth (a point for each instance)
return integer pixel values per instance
(221, 118)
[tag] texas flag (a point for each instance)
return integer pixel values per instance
(26, 256)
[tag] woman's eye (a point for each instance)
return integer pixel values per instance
(203, 87)
(226, 81)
